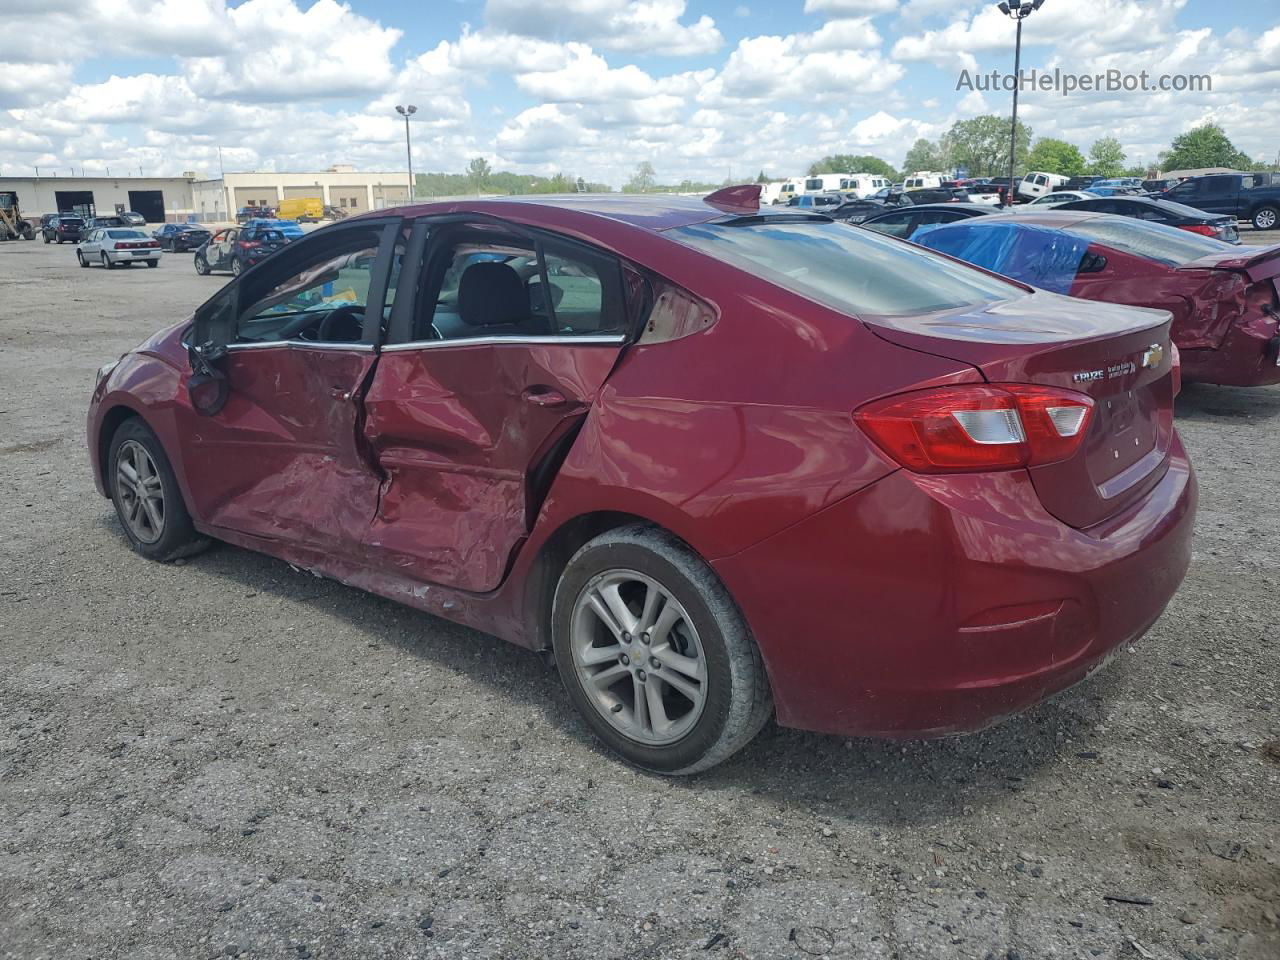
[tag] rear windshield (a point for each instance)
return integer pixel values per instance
(71, 221)
(846, 268)
(126, 235)
(1154, 241)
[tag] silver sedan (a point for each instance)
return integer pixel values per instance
(116, 246)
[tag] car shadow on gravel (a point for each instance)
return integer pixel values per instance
(876, 782)
(1207, 402)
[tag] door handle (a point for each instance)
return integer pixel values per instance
(544, 396)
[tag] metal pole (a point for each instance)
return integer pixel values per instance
(1013, 130)
(408, 150)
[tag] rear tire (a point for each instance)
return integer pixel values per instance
(202, 265)
(46, 238)
(147, 499)
(236, 267)
(1265, 218)
(153, 263)
(106, 262)
(718, 696)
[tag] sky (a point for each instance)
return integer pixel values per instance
(702, 90)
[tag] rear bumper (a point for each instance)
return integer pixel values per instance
(1245, 358)
(125, 256)
(929, 606)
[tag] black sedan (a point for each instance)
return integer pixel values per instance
(855, 211)
(181, 236)
(1217, 225)
(905, 221)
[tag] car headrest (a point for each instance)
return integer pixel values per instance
(492, 294)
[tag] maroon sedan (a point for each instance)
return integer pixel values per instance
(1223, 297)
(726, 465)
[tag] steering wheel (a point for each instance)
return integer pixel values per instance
(352, 315)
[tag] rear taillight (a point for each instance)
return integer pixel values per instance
(978, 427)
(1204, 229)
(1175, 367)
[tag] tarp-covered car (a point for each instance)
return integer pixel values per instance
(1223, 298)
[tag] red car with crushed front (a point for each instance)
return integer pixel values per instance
(725, 464)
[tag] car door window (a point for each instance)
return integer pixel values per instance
(895, 225)
(318, 296)
(521, 289)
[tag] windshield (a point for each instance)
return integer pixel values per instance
(1152, 240)
(846, 268)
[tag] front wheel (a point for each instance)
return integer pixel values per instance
(1264, 218)
(146, 495)
(655, 654)
(202, 265)
(80, 257)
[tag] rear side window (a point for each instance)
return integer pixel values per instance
(1155, 241)
(846, 268)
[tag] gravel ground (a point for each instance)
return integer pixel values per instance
(227, 758)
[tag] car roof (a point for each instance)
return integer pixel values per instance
(957, 205)
(1050, 218)
(654, 212)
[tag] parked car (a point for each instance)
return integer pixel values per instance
(107, 220)
(133, 218)
(936, 195)
(817, 201)
(58, 227)
(235, 249)
(855, 211)
(904, 221)
(989, 194)
(1159, 186)
(1102, 190)
(336, 213)
(1223, 299)
(1054, 199)
(117, 246)
(922, 181)
(1082, 183)
(1218, 226)
(181, 236)
(245, 214)
(1245, 196)
(1037, 183)
(699, 552)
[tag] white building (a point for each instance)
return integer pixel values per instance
(156, 198)
(340, 186)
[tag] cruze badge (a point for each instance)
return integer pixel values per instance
(1152, 357)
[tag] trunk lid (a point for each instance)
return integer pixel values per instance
(1119, 356)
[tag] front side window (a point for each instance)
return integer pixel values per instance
(847, 268)
(323, 299)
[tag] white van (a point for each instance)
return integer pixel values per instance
(786, 190)
(866, 184)
(922, 181)
(1037, 184)
(827, 182)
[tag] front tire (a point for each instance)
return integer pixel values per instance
(202, 265)
(655, 654)
(80, 257)
(1265, 218)
(147, 499)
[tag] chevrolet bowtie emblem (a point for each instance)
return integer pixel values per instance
(1152, 356)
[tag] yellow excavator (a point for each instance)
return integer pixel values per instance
(12, 226)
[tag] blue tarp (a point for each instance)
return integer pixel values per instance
(1041, 256)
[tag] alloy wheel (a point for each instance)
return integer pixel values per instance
(638, 657)
(1266, 219)
(141, 492)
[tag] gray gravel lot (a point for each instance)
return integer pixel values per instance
(228, 758)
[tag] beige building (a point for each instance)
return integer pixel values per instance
(340, 186)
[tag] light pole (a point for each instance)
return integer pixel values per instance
(407, 112)
(1019, 12)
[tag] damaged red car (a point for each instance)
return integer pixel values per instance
(1223, 297)
(726, 465)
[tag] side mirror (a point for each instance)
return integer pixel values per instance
(207, 387)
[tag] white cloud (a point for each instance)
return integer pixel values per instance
(769, 68)
(849, 8)
(638, 26)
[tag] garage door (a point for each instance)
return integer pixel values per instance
(312, 191)
(149, 203)
(353, 199)
(74, 201)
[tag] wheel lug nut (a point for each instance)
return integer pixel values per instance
(644, 638)
(655, 662)
(626, 638)
(642, 676)
(625, 660)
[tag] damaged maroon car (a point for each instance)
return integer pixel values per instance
(725, 465)
(1223, 297)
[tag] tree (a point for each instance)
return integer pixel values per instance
(1056, 156)
(1106, 157)
(981, 145)
(1204, 146)
(642, 180)
(852, 163)
(478, 171)
(923, 155)
(761, 178)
